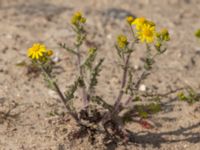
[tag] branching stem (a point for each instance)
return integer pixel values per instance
(84, 93)
(62, 97)
(123, 83)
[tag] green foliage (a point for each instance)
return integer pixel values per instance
(136, 98)
(72, 89)
(145, 110)
(21, 64)
(94, 74)
(98, 100)
(190, 96)
(148, 63)
(63, 45)
(90, 59)
(197, 33)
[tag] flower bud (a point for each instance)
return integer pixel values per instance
(91, 51)
(77, 18)
(165, 34)
(129, 19)
(49, 52)
(122, 41)
(158, 45)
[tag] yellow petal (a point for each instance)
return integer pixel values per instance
(36, 56)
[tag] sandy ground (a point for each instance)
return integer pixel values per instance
(30, 124)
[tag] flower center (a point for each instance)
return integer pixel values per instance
(147, 33)
(36, 48)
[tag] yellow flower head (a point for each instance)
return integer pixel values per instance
(130, 19)
(139, 22)
(37, 51)
(77, 18)
(122, 41)
(147, 33)
(78, 15)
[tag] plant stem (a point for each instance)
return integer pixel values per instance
(62, 97)
(133, 34)
(64, 101)
(109, 116)
(144, 74)
(130, 98)
(84, 93)
(124, 78)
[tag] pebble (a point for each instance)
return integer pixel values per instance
(142, 88)
(136, 67)
(109, 36)
(197, 50)
(56, 58)
(9, 36)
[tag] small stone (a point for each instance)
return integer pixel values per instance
(9, 36)
(109, 36)
(197, 50)
(136, 67)
(55, 59)
(180, 54)
(142, 87)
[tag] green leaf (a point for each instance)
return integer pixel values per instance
(63, 45)
(72, 89)
(143, 114)
(90, 59)
(197, 33)
(94, 73)
(146, 109)
(98, 100)
(21, 64)
(190, 96)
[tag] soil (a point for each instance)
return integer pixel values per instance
(32, 116)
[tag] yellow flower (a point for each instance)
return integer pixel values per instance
(122, 41)
(130, 19)
(147, 33)
(139, 22)
(78, 15)
(77, 18)
(37, 51)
